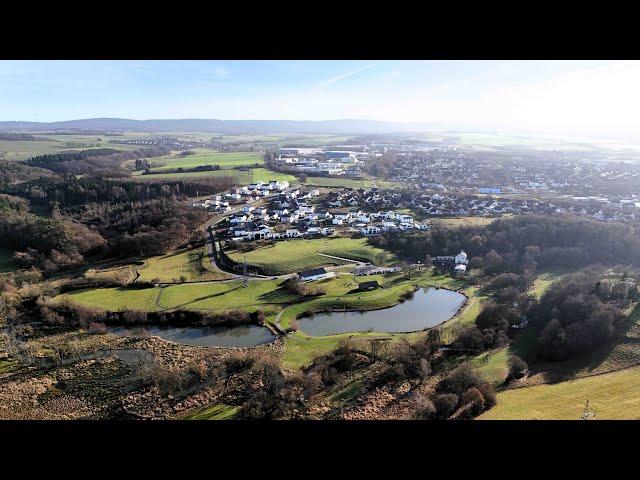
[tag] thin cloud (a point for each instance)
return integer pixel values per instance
(337, 78)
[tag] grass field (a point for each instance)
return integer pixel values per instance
(190, 296)
(241, 177)
(188, 265)
(204, 157)
(492, 365)
(294, 255)
(461, 221)
(124, 273)
(5, 260)
(22, 150)
(301, 349)
(338, 182)
(614, 395)
(218, 411)
(542, 283)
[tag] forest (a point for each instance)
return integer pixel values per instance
(95, 162)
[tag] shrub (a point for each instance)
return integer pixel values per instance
(445, 405)
(517, 367)
(425, 409)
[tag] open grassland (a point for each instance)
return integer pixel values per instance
(22, 150)
(542, 283)
(492, 365)
(204, 157)
(184, 265)
(614, 395)
(213, 296)
(116, 298)
(294, 255)
(5, 260)
(455, 222)
(338, 182)
(241, 177)
(218, 411)
(300, 349)
(268, 295)
(123, 273)
(283, 139)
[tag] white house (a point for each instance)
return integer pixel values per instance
(370, 230)
(461, 258)
(314, 274)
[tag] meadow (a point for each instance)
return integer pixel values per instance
(338, 182)
(456, 222)
(611, 396)
(22, 150)
(213, 296)
(206, 157)
(241, 177)
(189, 265)
(288, 256)
(219, 411)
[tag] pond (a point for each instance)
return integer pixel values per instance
(241, 336)
(426, 309)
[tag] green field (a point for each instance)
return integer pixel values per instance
(542, 283)
(294, 255)
(455, 222)
(5, 260)
(338, 182)
(184, 265)
(218, 411)
(614, 395)
(215, 296)
(301, 349)
(204, 157)
(241, 177)
(492, 365)
(22, 150)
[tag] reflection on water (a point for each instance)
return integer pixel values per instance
(242, 336)
(426, 309)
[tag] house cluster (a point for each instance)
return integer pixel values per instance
(247, 194)
(374, 223)
(287, 215)
(511, 171)
(314, 161)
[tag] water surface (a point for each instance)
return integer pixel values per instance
(242, 336)
(426, 309)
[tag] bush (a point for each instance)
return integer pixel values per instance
(425, 409)
(472, 402)
(517, 367)
(445, 405)
(460, 380)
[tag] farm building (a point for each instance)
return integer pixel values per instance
(366, 286)
(314, 274)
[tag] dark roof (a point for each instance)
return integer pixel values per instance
(313, 272)
(371, 284)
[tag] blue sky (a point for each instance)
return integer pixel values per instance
(562, 97)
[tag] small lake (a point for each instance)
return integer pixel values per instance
(426, 309)
(241, 336)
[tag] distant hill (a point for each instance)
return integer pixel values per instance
(229, 127)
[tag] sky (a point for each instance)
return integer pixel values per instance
(565, 98)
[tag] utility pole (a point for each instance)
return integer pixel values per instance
(587, 414)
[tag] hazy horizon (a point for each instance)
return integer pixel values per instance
(584, 99)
